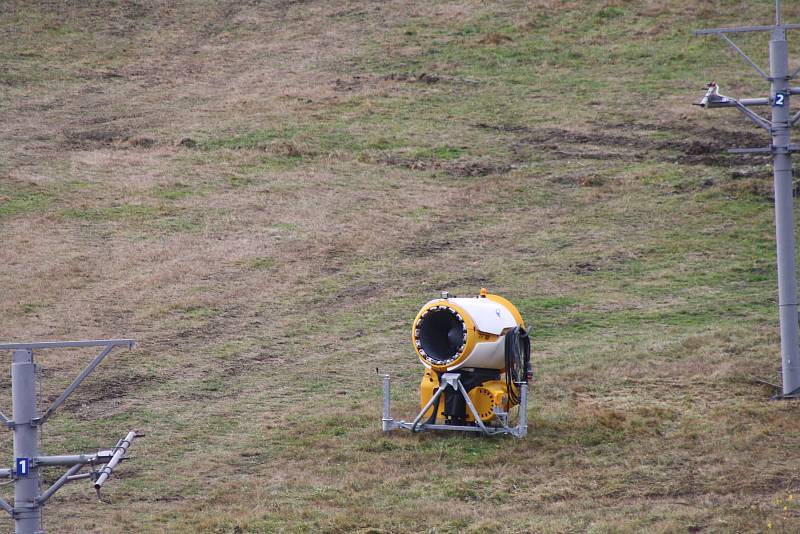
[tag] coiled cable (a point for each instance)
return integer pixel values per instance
(518, 361)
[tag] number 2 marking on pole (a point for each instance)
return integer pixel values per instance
(780, 100)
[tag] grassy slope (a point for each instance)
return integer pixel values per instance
(340, 163)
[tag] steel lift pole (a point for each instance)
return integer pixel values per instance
(779, 127)
(784, 207)
(27, 513)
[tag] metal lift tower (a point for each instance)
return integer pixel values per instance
(779, 128)
(26, 423)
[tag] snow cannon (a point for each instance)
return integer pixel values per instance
(476, 353)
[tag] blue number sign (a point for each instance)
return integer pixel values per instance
(23, 467)
(780, 100)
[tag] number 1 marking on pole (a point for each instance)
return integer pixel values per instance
(23, 467)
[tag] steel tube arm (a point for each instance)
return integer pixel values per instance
(69, 344)
(478, 420)
(745, 29)
(5, 473)
(72, 459)
(523, 410)
(386, 421)
(7, 507)
(75, 383)
(757, 120)
(754, 101)
(121, 449)
(79, 477)
(744, 56)
(428, 405)
(41, 499)
(731, 103)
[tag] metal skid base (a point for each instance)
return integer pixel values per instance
(453, 380)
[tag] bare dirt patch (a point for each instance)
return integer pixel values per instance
(711, 150)
(457, 168)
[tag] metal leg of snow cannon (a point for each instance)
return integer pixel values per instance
(521, 429)
(387, 421)
(452, 380)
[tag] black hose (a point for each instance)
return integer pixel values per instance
(518, 361)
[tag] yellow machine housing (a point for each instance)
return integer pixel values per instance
(485, 397)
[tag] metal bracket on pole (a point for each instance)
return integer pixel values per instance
(6, 421)
(746, 58)
(120, 450)
(762, 150)
(757, 119)
(41, 499)
(791, 395)
(109, 346)
(7, 507)
(712, 99)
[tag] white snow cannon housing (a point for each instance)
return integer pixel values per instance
(452, 333)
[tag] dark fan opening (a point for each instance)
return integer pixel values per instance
(441, 333)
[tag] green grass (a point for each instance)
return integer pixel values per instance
(261, 263)
(125, 212)
(177, 191)
(347, 168)
(15, 202)
(249, 140)
(161, 218)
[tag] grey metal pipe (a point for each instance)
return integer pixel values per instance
(27, 512)
(67, 344)
(387, 399)
(754, 101)
(72, 459)
(79, 477)
(784, 205)
(744, 29)
(473, 411)
(121, 449)
(28, 504)
(523, 411)
(7, 507)
(41, 499)
(429, 404)
(77, 382)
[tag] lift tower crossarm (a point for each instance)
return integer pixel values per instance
(746, 29)
(69, 344)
